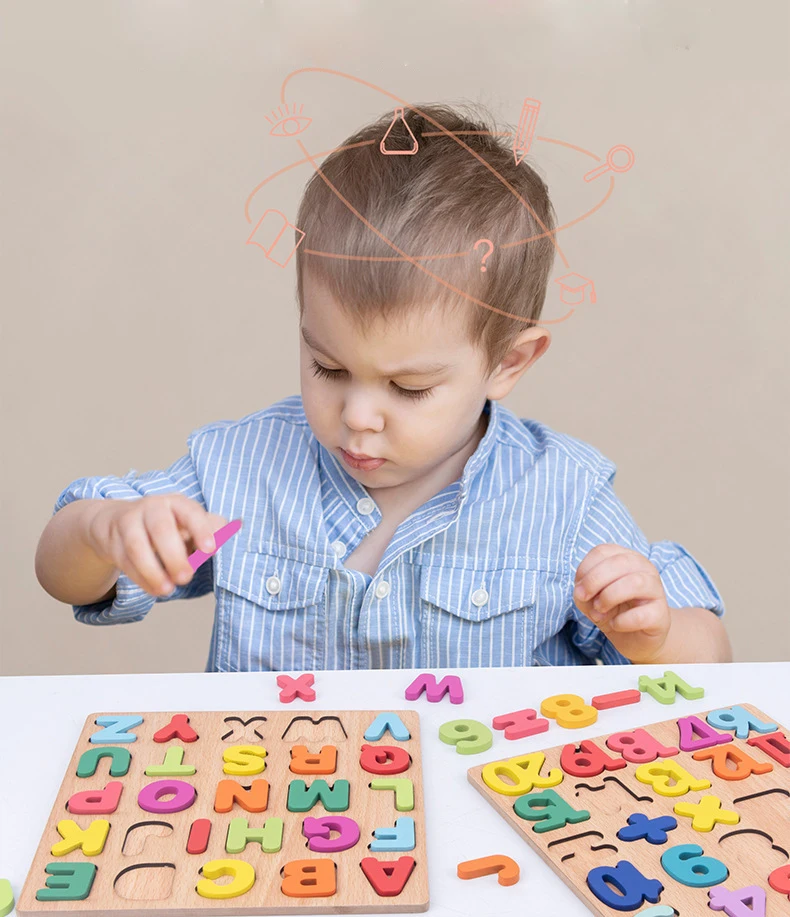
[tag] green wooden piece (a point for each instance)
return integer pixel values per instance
(548, 811)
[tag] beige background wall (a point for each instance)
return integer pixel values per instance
(133, 132)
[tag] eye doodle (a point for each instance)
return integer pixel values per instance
(288, 124)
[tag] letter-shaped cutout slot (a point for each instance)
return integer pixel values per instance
(243, 732)
(609, 797)
(145, 882)
(137, 835)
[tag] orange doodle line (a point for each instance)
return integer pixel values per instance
(413, 261)
(454, 136)
(437, 125)
(462, 254)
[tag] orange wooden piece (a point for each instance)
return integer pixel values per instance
(254, 799)
(302, 762)
(507, 870)
(744, 764)
(309, 879)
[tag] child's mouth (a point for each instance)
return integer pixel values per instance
(369, 464)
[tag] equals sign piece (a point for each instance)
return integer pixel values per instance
(618, 699)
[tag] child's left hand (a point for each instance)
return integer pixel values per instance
(621, 592)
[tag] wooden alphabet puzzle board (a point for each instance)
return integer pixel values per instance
(719, 844)
(236, 813)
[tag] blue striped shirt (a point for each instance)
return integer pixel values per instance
(482, 574)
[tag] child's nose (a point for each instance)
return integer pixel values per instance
(361, 412)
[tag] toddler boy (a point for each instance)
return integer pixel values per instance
(395, 514)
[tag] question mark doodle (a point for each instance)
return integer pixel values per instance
(491, 244)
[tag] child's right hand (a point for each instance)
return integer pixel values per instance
(149, 539)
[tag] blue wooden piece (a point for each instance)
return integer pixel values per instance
(653, 830)
(739, 719)
(384, 722)
(116, 729)
(686, 864)
(399, 838)
(631, 888)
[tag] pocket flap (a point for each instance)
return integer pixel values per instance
(477, 595)
(271, 581)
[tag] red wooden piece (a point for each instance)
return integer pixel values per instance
(384, 759)
(197, 842)
(618, 699)
(589, 762)
(177, 728)
(388, 878)
(774, 744)
(520, 724)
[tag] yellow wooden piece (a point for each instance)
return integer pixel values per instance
(244, 760)
(569, 710)
(90, 839)
(524, 771)
(706, 813)
(659, 773)
(242, 872)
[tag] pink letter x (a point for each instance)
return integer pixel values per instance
(296, 687)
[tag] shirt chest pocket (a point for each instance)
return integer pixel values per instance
(270, 613)
(475, 617)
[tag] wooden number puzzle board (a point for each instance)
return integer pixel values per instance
(753, 848)
(163, 876)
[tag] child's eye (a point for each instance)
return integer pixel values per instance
(416, 393)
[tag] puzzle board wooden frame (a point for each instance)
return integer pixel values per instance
(609, 797)
(217, 731)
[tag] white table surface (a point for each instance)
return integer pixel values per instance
(43, 717)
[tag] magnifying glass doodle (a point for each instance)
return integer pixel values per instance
(610, 164)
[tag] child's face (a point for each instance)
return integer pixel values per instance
(411, 394)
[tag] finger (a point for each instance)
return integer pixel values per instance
(200, 524)
(160, 522)
(645, 618)
(632, 587)
(595, 556)
(122, 562)
(139, 555)
(612, 567)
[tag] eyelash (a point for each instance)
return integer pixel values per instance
(415, 394)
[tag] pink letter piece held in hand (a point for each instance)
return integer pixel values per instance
(196, 558)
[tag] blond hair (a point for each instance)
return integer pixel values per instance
(433, 206)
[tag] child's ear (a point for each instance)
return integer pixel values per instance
(528, 347)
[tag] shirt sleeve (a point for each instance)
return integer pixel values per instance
(686, 582)
(132, 602)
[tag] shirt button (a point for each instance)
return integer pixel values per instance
(365, 506)
(339, 548)
(383, 589)
(273, 585)
(479, 597)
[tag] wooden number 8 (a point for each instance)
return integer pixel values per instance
(569, 710)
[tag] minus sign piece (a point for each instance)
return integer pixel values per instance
(618, 699)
